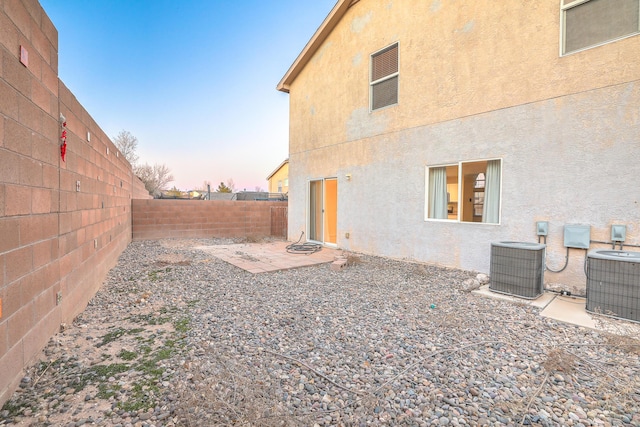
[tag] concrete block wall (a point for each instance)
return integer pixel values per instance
(157, 219)
(62, 224)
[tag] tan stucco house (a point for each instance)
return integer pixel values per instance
(426, 130)
(279, 179)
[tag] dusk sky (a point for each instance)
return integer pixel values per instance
(193, 80)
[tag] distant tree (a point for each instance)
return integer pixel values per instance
(258, 189)
(155, 177)
(127, 144)
(231, 185)
(205, 185)
(222, 188)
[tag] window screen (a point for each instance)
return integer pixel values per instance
(384, 77)
(598, 21)
(384, 93)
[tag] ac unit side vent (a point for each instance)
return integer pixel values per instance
(517, 269)
(613, 287)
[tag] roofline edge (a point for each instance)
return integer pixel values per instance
(314, 43)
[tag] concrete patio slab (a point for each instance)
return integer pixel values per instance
(541, 302)
(570, 310)
(266, 257)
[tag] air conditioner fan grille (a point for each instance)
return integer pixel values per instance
(613, 288)
(517, 271)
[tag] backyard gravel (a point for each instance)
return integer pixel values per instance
(177, 337)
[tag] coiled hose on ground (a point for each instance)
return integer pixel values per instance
(306, 248)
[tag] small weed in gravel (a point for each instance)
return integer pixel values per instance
(182, 325)
(117, 333)
(127, 355)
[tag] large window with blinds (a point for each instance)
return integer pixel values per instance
(588, 23)
(383, 81)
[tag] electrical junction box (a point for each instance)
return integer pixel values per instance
(618, 233)
(542, 228)
(577, 236)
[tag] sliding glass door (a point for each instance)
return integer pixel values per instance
(323, 210)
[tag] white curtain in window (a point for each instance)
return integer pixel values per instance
(491, 210)
(438, 193)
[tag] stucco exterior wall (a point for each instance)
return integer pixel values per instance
(478, 80)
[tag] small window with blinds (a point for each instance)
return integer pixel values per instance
(588, 23)
(384, 78)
